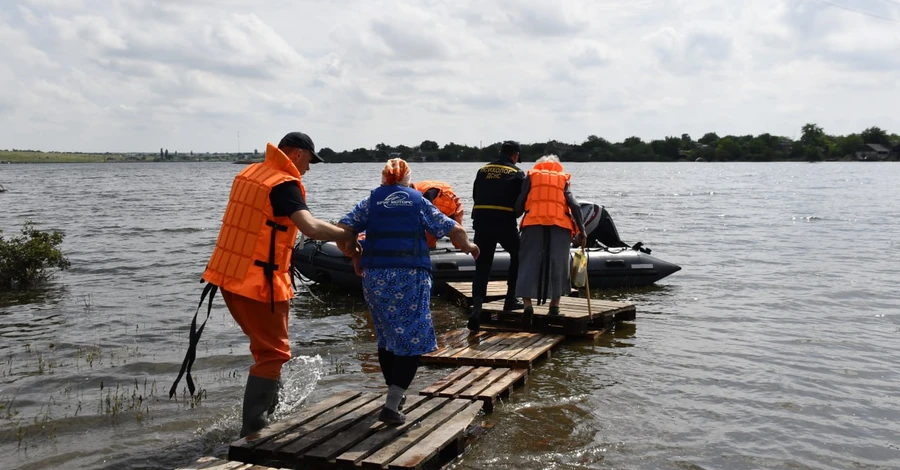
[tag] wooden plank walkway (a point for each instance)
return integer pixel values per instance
(212, 463)
(460, 293)
(573, 318)
(343, 431)
(487, 384)
(512, 349)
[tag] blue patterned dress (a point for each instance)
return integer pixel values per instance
(399, 299)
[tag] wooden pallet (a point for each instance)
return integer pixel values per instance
(512, 349)
(460, 293)
(573, 318)
(212, 463)
(342, 431)
(478, 383)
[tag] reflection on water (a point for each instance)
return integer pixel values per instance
(774, 347)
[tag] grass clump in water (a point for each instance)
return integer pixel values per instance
(30, 259)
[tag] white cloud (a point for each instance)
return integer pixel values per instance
(137, 75)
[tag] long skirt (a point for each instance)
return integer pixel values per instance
(544, 262)
(399, 300)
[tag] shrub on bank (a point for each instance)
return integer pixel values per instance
(31, 258)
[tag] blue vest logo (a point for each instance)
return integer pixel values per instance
(396, 199)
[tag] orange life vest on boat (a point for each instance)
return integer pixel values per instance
(252, 257)
(446, 201)
(546, 203)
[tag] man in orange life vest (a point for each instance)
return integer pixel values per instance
(442, 196)
(252, 259)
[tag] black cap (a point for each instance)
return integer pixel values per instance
(509, 148)
(300, 140)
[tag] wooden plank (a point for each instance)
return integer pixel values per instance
(487, 342)
(453, 340)
(212, 463)
(242, 449)
(425, 427)
(425, 450)
(463, 383)
(369, 445)
(506, 383)
(274, 445)
(511, 340)
(459, 346)
(446, 381)
(535, 351)
(296, 448)
(517, 348)
(363, 429)
(476, 388)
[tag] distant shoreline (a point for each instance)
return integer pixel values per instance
(34, 157)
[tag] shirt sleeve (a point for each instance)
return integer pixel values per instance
(436, 223)
(358, 218)
(575, 208)
(286, 198)
(519, 209)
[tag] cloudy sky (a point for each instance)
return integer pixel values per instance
(229, 75)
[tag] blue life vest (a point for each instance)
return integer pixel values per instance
(395, 237)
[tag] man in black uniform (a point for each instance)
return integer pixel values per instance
(497, 186)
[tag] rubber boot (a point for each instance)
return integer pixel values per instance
(527, 316)
(274, 404)
(512, 303)
(258, 397)
(474, 323)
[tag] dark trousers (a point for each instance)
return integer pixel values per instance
(397, 370)
(488, 233)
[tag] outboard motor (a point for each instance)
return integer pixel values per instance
(600, 227)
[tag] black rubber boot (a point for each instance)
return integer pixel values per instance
(258, 398)
(512, 303)
(553, 310)
(274, 405)
(474, 323)
(527, 315)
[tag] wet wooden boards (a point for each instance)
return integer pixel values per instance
(342, 431)
(511, 349)
(486, 384)
(573, 318)
(460, 293)
(212, 463)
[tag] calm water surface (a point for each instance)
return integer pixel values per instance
(776, 346)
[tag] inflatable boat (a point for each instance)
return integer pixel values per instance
(611, 262)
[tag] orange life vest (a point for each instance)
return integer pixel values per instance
(446, 201)
(546, 203)
(252, 257)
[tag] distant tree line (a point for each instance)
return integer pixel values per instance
(814, 144)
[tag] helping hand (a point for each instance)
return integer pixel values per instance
(473, 250)
(579, 239)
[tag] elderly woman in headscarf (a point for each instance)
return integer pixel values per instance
(552, 218)
(396, 274)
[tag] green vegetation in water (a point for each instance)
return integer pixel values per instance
(30, 259)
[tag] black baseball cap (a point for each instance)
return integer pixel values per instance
(509, 148)
(300, 140)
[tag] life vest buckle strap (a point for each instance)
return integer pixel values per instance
(276, 226)
(194, 339)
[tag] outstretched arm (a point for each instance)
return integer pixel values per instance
(460, 238)
(318, 229)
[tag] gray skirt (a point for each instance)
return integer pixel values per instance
(533, 265)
